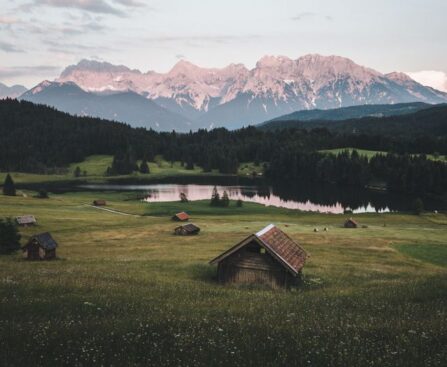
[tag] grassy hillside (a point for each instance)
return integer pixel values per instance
(127, 292)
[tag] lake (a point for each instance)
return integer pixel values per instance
(305, 197)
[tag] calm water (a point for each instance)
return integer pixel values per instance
(316, 198)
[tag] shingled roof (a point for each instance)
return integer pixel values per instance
(45, 240)
(278, 244)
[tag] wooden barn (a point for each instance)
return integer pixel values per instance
(187, 230)
(40, 247)
(180, 217)
(269, 257)
(351, 223)
(26, 220)
(99, 202)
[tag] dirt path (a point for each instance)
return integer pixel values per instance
(113, 211)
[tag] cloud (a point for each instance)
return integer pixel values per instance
(304, 15)
(431, 78)
(197, 40)
(131, 3)
(9, 47)
(16, 71)
(94, 6)
(73, 48)
(8, 20)
(310, 15)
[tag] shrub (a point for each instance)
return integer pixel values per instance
(9, 236)
(42, 194)
(418, 206)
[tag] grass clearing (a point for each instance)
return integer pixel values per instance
(127, 292)
(371, 153)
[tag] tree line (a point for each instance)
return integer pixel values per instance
(40, 139)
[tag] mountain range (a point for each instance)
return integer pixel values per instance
(191, 97)
(11, 92)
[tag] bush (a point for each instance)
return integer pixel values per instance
(77, 172)
(9, 188)
(418, 206)
(9, 236)
(42, 194)
(239, 203)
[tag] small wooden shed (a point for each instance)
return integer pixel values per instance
(268, 257)
(187, 230)
(180, 217)
(351, 223)
(99, 202)
(26, 220)
(40, 247)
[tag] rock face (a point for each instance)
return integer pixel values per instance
(235, 96)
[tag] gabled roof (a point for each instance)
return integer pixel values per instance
(45, 240)
(189, 227)
(26, 219)
(182, 216)
(350, 220)
(286, 251)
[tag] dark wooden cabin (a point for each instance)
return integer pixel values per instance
(180, 217)
(99, 203)
(41, 247)
(26, 220)
(187, 230)
(269, 257)
(351, 223)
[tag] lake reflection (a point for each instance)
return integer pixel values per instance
(306, 197)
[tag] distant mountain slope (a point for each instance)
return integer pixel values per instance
(128, 107)
(235, 96)
(11, 92)
(429, 121)
(346, 113)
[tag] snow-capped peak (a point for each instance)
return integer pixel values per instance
(311, 81)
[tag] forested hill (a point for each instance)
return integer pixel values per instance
(431, 122)
(353, 112)
(35, 138)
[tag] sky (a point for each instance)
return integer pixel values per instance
(38, 38)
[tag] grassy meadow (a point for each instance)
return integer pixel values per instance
(371, 153)
(126, 292)
(94, 167)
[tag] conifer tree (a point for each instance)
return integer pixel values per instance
(9, 188)
(215, 198)
(144, 167)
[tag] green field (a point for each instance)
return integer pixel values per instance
(126, 292)
(95, 167)
(372, 153)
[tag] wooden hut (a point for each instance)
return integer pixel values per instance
(26, 220)
(351, 223)
(269, 257)
(40, 247)
(99, 202)
(180, 217)
(187, 230)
